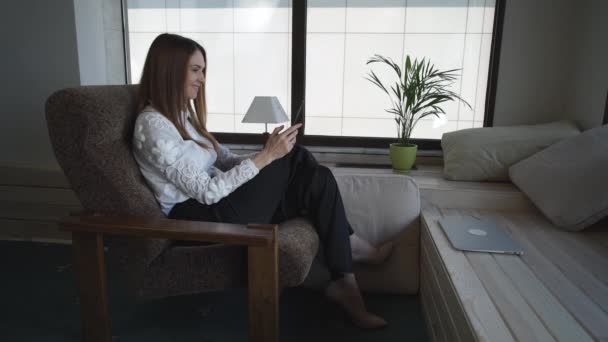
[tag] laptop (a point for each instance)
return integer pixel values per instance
(469, 233)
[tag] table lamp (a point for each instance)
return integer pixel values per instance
(265, 109)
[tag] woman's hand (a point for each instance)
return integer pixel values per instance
(278, 145)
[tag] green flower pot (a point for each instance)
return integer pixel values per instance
(403, 156)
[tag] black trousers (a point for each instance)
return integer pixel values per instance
(295, 185)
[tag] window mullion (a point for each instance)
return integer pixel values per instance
(298, 62)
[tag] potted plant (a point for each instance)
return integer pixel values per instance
(415, 94)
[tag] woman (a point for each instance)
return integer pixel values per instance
(195, 178)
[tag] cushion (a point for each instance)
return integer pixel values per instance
(380, 207)
(485, 154)
(567, 181)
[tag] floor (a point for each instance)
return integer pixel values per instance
(38, 302)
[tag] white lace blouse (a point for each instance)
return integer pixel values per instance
(178, 169)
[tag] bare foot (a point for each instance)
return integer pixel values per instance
(345, 293)
(363, 251)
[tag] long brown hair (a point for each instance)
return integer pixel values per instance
(162, 85)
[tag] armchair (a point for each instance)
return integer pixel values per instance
(90, 130)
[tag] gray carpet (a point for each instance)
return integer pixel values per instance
(38, 302)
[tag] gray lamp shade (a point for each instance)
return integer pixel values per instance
(265, 109)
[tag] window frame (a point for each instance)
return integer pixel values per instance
(606, 111)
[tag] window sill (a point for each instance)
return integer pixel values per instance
(352, 155)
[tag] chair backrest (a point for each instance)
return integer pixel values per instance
(90, 130)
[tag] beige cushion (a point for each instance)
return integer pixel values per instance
(380, 207)
(485, 154)
(567, 181)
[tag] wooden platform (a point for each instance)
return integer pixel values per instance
(556, 291)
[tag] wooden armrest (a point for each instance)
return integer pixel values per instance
(161, 228)
(262, 255)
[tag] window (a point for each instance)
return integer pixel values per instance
(249, 47)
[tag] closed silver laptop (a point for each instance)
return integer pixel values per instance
(470, 233)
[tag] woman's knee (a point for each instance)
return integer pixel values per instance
(302, 154)
(324, 171)
(324, 175)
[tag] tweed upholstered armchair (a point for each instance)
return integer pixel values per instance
(90, 129)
